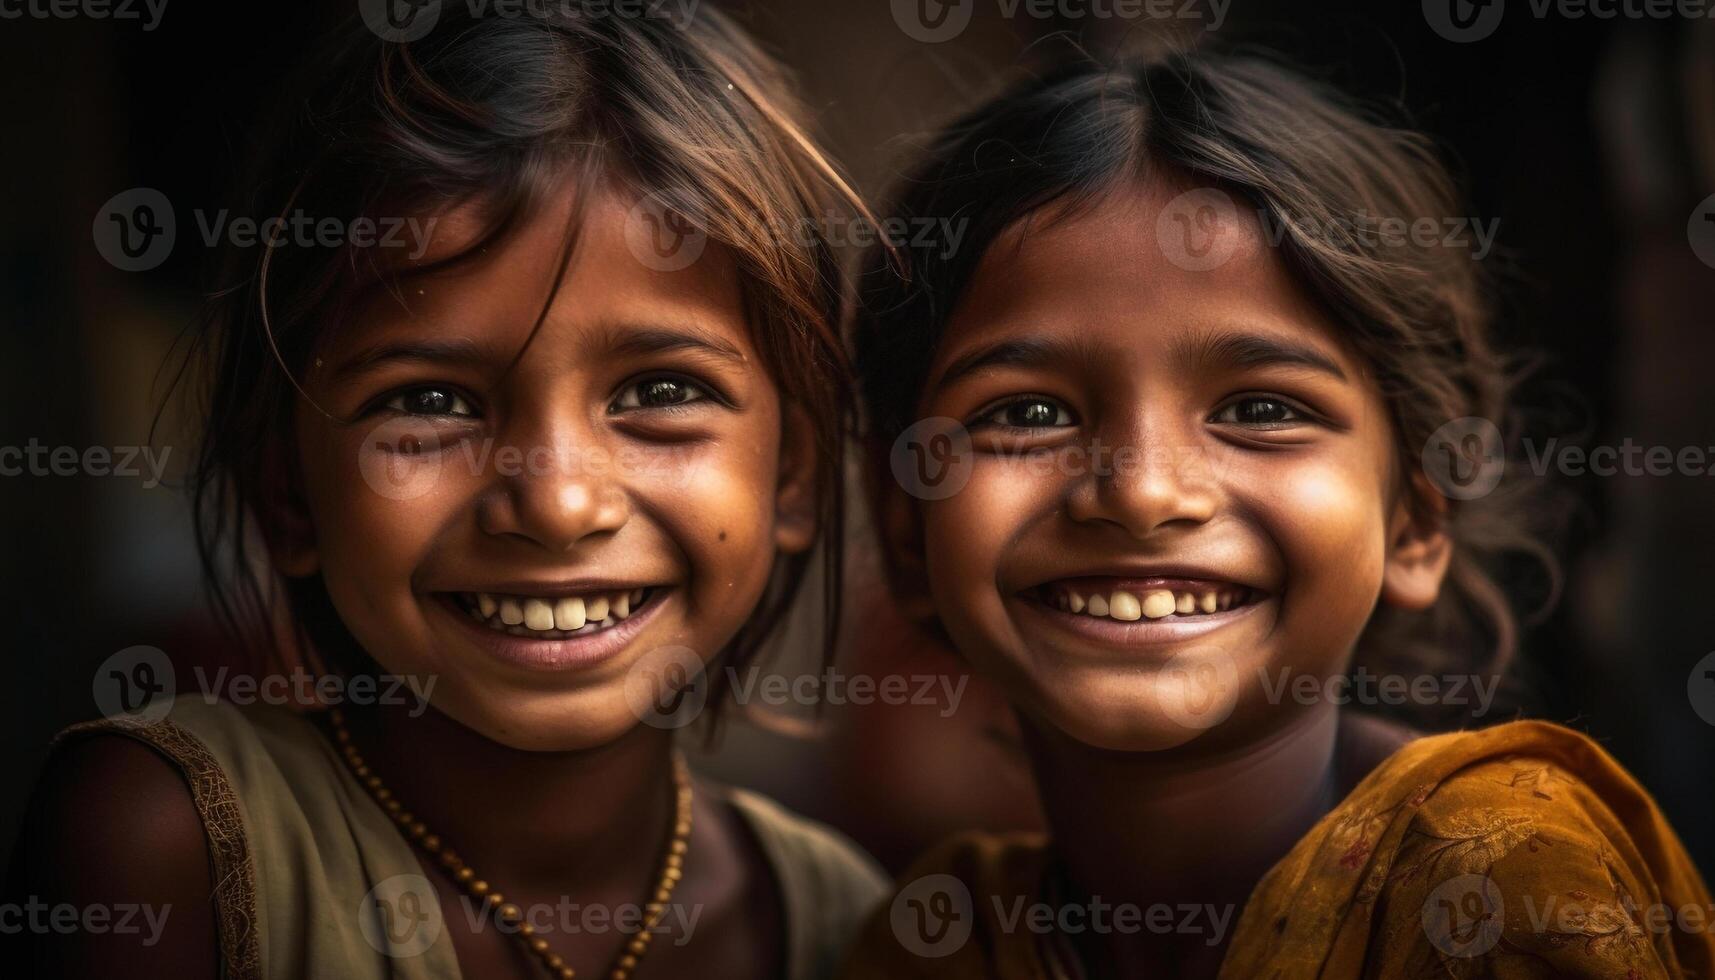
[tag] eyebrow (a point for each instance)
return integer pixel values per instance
(629, 340)
(1246, 350)
(1242, 350)
(640, 340)
(450, 351)
(1006, 353)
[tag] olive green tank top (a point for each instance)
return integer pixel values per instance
(312, 878)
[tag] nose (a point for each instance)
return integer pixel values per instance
(555, 490)
(1153, 475)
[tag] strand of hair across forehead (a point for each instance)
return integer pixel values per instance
(795, 135)
(262, 300)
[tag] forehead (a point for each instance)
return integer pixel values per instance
(611, 279)
(1144, 263)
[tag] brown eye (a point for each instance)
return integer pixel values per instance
(1030, 413)
(1259, 411)
(661, 392)
(430, 400)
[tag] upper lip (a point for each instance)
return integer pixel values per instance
(1143, 571)
(563, 587)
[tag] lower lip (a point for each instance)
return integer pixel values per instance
(570, 653)
(1143, 632)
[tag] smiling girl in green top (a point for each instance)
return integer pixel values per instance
(585, 436)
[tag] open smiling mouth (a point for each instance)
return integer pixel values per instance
(1129, 601)
(556, 617)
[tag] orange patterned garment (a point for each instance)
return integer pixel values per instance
(1520, 851)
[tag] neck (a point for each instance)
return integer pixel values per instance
(526, 820)
(1183, 826)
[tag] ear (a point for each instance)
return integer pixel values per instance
(900, 525)
(795, 496)
(1418, 552)
(284, 518)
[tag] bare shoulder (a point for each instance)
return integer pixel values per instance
(112, 866)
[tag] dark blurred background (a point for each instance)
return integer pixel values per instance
(1591, 139)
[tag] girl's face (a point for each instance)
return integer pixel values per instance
(536, 522)
(1181, 483)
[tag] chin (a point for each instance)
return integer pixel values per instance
(547, 722)
(1153, 711)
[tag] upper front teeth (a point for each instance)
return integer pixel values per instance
(1124, 605)
(1154, 604)
(1159, 604)
(566, 614)
(569, 614)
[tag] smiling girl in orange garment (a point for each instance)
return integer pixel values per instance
(1176, 394)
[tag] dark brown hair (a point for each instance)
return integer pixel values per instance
(504, 112)
(1309, 160)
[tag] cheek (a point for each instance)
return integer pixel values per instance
(375, 511)
(716, 501)
(1328, 525)
(965, 536)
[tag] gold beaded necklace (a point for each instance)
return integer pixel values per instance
(672, 864)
